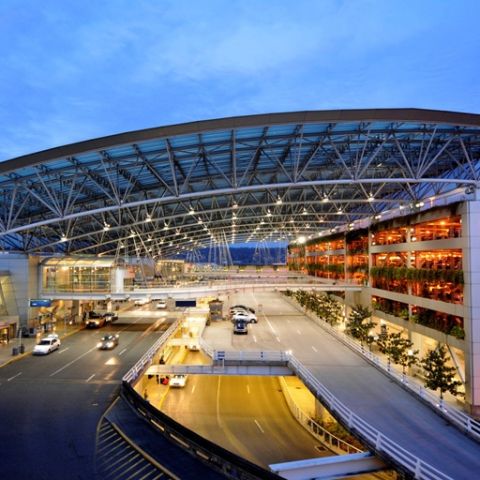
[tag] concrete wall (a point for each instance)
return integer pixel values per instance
(23, 272)
(471, 268)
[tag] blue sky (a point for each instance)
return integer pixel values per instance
(74, 70)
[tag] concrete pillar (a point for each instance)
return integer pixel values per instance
(24, 284)
(471, 269)
(117, 279)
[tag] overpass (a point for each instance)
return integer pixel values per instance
(384, 415)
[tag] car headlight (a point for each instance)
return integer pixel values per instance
(99, 344)
(110, 344)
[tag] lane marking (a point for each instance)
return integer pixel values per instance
(259, 427)
(73, 361)
(255, 339)
(278, 339)
(15, 376)
(123, 351)
(314, 349)
(90, 377)
(248, 388)
(64, 350)
(193, 388)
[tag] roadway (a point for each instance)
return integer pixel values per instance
(246, 415)
(50, 405)
(365, 390)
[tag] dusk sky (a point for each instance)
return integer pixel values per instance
(75, 70)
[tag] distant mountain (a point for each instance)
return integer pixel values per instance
(238, 255)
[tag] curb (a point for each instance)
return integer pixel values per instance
(26, 354)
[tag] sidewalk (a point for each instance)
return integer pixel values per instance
(6, 350)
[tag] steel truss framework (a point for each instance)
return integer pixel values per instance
(159, 191)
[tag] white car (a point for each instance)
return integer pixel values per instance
(178, 381)
(246, 316)
(140, 302)
(162, 304)
(46, 345)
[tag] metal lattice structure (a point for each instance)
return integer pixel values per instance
(257, 178)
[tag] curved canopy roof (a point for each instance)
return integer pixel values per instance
(158, 191)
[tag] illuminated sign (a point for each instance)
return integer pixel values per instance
(40, 302)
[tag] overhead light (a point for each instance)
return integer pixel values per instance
(301, 239)
(377, 217)
(339, 211)
(325, 199)
(165, 227)
(279, 201)
(148, 219)
(371, 198)
(269, 213)
(304, 211)
(292, 220)
(63, 238)
(106, 227)
(191, 211)
(419, 204)
(235, 205)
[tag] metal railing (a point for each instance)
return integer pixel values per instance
(250, 356)
(370, 435)
(146, 359)
(220, 459)
(333, 442)
(458, 418)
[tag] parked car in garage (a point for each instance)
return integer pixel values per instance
(46, 345)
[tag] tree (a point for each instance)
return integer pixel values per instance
(397, 349)
(438, 374)
(359, 324)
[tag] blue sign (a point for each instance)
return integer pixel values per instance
(40, 302)
(185, 303)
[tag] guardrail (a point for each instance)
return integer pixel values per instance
(146, 359)
(231, 465)
(370, 435)
(460, 419)
(250, 356)
(335, 443)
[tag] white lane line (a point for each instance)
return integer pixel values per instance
(248, 388)
(123, 351)
(269, 324)
(63, 350)
(90, 377)
(193, 388)
(259, 427)
(73, 361)
(278, 339)
(314, 349)
(299, 332)
(255, 339)
(15, 376)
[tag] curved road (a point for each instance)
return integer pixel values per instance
(365, 390)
